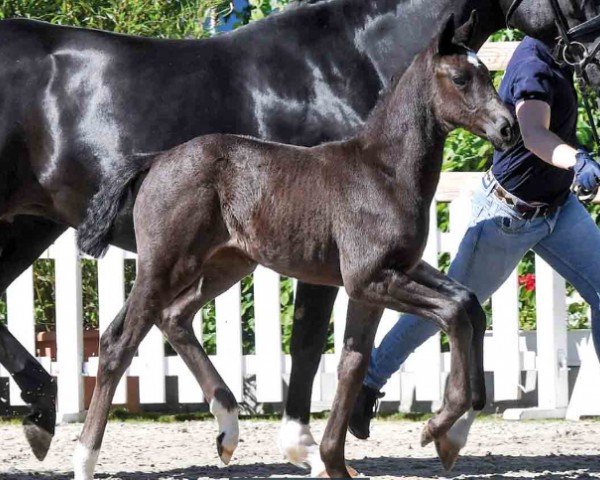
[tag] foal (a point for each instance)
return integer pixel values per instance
(352, 213)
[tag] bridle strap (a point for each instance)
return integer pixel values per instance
(588, 27)
(561, 22)
(511, 11)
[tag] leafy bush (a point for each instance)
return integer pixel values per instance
(156, 18)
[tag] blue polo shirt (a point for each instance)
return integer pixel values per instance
(532, 73)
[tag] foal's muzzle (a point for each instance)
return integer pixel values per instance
(504, 133)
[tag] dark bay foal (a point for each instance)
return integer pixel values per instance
(351, 213)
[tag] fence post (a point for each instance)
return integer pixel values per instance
(151, 358)
(551, 361)
(585, 399)
(340, 310)
(507, 357)
(21, 321)
(187, 385)
(553, 388)
(111, 297)
(69, 329)
(267, 332)
(229, 339)
(428, 378)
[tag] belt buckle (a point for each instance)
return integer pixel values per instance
(536, 212)
(487, 179)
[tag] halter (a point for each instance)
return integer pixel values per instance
(574, 53)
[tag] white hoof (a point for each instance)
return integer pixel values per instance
(229, 431)
(84, 462)
(299, 447)
(448, 446)
(459, 432)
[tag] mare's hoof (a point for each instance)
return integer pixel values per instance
(351, 471)
(447, 451)
(224, 452)
(38, 428)
(426, 436)
(39, 439)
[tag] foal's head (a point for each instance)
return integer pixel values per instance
(462, 92)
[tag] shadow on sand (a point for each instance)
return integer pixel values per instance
(469, 467)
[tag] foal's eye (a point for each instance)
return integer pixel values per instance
(460, 80)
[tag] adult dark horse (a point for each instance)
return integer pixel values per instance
(79, 104)
(359, 210)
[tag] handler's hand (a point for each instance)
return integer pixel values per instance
(587, 171)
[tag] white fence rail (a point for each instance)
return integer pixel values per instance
(509, 354)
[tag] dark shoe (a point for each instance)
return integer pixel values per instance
(364, 410)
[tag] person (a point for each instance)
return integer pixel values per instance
(524, 203)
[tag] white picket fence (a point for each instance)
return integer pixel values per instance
(508, 352)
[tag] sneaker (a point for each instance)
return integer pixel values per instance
(364, 410)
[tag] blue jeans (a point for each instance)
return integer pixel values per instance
(495, 242)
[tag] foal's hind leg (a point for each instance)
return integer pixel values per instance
(117, 348)
(221, 272)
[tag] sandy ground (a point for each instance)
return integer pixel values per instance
(152, 451)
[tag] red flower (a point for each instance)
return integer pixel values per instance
(528, 281)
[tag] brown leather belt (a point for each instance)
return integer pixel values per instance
(526, 210)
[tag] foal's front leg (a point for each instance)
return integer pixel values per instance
(448, 447)
(411, 292)
(433, 278)
(361, 326)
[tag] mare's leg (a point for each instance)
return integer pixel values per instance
(361, 326)
(408, 292)
(219, 274)
(21, 242)
(313, 308)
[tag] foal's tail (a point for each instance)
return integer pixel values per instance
(93, 234)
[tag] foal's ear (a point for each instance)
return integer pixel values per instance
(446, 35)
(464, 33)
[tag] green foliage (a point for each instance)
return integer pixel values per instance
(286, 302)
(156, 18)
(43, 290)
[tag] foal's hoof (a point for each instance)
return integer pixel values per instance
(351, 471)
(225, 453)
(227, 418)
(426, 436)
(447, 451)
